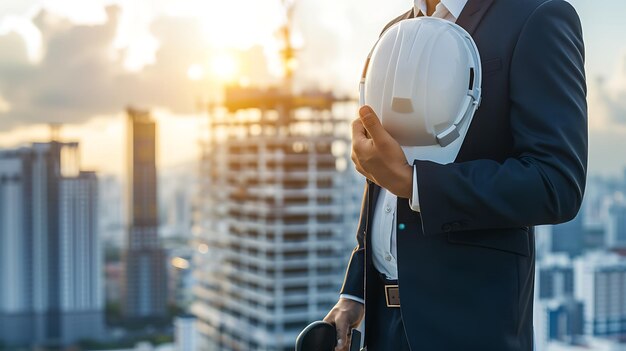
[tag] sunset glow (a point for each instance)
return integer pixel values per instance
(195, 72)
(225, 67)
(197, 46)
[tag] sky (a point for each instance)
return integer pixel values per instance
(80, 63)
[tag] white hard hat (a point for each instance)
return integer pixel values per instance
(423, 80)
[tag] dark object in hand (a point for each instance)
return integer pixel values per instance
(317, 336)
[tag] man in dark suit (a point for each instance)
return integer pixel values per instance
(465, 260)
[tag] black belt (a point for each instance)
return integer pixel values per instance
(392, 292)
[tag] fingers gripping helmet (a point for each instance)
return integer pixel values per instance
(423, 80)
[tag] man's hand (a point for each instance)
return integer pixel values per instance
(346, 314)
(378, 156)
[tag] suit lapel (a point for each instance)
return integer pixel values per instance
(375, 189)
(375, 194)
(472, 14)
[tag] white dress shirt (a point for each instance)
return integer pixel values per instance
(383, 228)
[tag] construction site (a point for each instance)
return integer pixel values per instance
(276, 213)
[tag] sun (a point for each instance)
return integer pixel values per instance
(225, 67)
(195, 72)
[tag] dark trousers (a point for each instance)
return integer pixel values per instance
(386, 330)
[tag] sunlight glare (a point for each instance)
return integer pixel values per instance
(195, 72)
(180, 263)
(260, 18)
(225, 67)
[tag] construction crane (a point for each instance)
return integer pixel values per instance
(288, 53)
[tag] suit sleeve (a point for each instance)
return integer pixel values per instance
(353, 282)
(544, 181)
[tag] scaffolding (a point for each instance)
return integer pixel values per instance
(277, 218)
(276, 214)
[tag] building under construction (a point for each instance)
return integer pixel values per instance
(277, 218)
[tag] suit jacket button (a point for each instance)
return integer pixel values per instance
(446, 227)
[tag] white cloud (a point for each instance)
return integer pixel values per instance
(29, 33)
(83, 72)
(77, 77)
(607, 100)
(81, 78)
(607, 122)
(4, 105)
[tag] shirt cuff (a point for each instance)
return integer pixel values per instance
(414, 201)
(352, 297)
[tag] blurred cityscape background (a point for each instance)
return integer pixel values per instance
(175, 175)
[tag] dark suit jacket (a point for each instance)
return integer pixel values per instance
(466, 261)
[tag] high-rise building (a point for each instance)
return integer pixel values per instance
(560, 320)
(186, 335)
(176, 192)
(180, 277)
(595, 211)
(145, 280)
(278, 212)
(50, 259)
(555, 277)
(111, 211)
(600, 282)
(616, 226)
(569, 237)
(557, 314)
